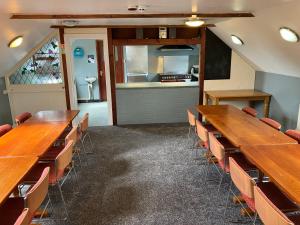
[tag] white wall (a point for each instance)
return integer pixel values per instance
(298, 126)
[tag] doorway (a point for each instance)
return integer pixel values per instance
(89, 74)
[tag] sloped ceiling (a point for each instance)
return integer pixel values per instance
(263, 48)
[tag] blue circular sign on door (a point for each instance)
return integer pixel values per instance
(78, 52)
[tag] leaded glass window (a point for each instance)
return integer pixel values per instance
(42, 68)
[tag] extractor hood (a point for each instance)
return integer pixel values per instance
(167, 48)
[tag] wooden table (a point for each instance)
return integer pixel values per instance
(242, 129)
(239, 95)
(31, 139)
(54, 116)
(281, 163)
(12, 171)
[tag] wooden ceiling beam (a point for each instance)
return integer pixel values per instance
(128, 26)
(132, 16)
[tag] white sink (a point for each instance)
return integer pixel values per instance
(90, 80)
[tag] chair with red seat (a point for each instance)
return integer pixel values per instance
(250, 111)
(21, 118)
(60, 168)
(13, 207)
(271, 123)
(295, 134)
(269, 213)
(245, 185)
(4, 129)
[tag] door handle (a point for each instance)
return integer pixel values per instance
(101, 73)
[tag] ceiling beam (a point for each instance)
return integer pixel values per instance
(128, 26)
(123, 16)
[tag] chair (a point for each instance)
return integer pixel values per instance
(11, 212)
(245, 184)
(4, 129)
(271, 123)
(21, 118)
(295, 134)
(250, 111)
(83, 133)
(60, 168)
(269, 213)
(192, 122)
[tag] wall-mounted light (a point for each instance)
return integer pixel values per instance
(288, 34)
(236, 40)
(194, 21)
(15, 42)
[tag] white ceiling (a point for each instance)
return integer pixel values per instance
(263, 46)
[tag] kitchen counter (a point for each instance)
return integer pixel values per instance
(143, 85)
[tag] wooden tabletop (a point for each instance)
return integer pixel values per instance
(54, 116)
(281, 163)
(237, 94)
(31, 139)
(242, 129)
(12, 171)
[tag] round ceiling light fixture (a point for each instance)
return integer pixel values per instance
(194, 21)
(289, 35)
(15, 42)
(236, 40)
(70, 23)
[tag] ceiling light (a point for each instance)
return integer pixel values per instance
(288, 35)
(70, 23)
(16, 42)
(194, 21)
(236, 40)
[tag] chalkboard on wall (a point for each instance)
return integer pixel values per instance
(218, 58)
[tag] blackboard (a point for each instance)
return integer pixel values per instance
(217, 58)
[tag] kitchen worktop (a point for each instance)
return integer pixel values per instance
(157, 85)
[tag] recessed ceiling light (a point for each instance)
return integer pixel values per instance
(16, 42)
(288, 34)
(236, 40)
(194, 21)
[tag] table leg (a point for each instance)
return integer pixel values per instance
(267, 106)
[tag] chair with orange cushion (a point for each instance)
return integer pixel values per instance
(222, 149)
(13, 207)
(250, 111)
(295, 134)
(4, 129)
(60, 168)
(271, 123)
(245, 185)
(83, 133)
(269, 212)
(21, 118)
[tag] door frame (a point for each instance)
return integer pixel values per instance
(70, 36)
(100, 64)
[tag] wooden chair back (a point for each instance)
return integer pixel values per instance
(216, 147)
(64, 158)
(267, 211)
(295, 134)
(201, 131)
(24, 218)
(271, 123)
(84, 123)
(4, 129)
(72, 136)
(241, 179)
(35, 197)
(191, 118)
(21, 118)
(250, 111)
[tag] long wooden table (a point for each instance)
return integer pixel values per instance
(54, 116)
(12, 171)
(242, 129)
(281, 163)
(249, 95)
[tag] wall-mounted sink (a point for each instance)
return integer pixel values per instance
(90, 80)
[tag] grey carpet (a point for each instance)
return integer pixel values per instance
(146, 175)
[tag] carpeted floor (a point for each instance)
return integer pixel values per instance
(142, 175)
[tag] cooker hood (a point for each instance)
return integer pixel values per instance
(168, 48)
